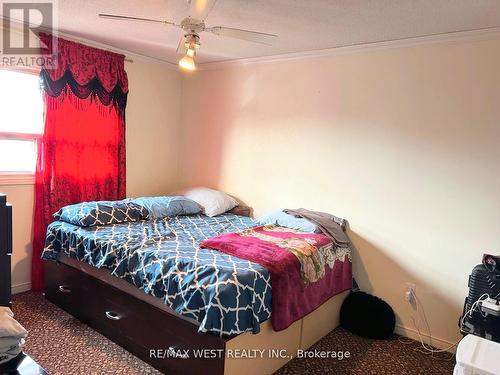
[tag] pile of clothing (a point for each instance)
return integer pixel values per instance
(12, 335)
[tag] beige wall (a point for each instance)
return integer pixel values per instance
(152, 121)
(153, 128)
(404, 143)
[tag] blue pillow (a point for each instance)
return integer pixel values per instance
(89, 214)
(289, 221)
(171, 206)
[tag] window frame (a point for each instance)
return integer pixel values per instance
(19, 177)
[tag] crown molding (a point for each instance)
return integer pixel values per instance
(467, 35)
(457, 36)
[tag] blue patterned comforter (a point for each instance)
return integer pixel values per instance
(225, 294)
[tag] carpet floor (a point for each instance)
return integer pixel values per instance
(63, 345)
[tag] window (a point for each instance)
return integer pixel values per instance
(21, 121)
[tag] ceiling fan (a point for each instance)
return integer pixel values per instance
(194, 24)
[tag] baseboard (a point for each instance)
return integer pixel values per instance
(436, 342)
(19, 288)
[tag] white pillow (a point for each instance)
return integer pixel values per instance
(214, 202)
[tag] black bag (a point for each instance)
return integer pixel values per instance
(368, 316)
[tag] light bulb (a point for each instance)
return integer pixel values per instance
(187, 62)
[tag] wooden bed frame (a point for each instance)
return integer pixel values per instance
(146, 327)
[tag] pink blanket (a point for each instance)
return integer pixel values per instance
(281, 251)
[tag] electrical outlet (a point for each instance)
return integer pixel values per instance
(411, 287)
(410, 294)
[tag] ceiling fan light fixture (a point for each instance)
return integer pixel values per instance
(193, 25)
(187, 62)
(192, 41)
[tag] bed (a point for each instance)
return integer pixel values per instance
(149, 287)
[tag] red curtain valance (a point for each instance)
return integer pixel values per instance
(85, 63)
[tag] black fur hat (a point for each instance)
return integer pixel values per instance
(368, 316)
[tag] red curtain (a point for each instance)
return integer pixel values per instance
(81, 156)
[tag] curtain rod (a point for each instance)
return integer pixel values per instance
(71, 38)
(95, 45)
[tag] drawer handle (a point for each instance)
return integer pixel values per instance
(177, 353)
(64, 288)
(112, 315)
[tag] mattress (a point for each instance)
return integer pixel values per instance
(224, 294)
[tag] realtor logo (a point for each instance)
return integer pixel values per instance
(21, 22)
(30, 17)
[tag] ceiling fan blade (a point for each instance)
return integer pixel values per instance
(199, 9)
(181, 48)
(251, 36)
(130, 18)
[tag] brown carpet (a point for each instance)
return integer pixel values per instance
(63, 345)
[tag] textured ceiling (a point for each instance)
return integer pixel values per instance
(301, 25)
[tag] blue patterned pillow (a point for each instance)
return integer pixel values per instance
(88, 214)
(169, 206)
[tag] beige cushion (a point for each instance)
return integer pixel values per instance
(213, 202)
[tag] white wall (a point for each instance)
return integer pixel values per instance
(404, 143)
(152, 123)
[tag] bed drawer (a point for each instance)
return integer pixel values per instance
(153, 335)
(145, 330)
(62, 287)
